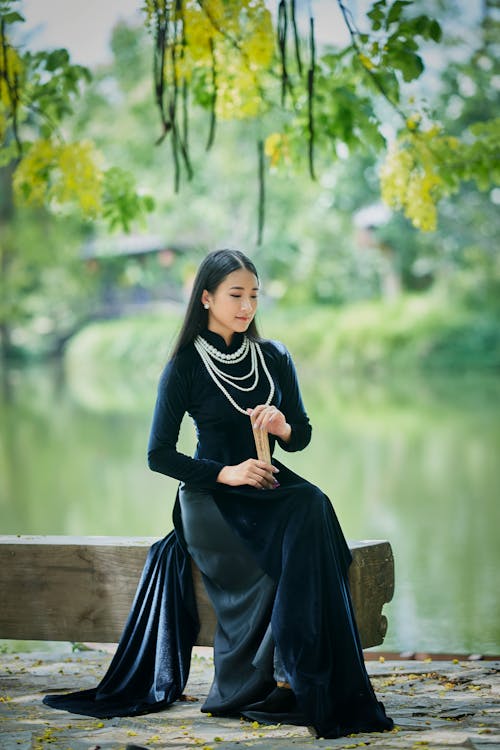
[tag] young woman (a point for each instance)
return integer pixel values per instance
(269, 546)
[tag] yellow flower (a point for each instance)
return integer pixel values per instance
(413, 121)
(276, 147)
(366, 62)
(11, 73)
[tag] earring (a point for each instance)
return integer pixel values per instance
(206, 305)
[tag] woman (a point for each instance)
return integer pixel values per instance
(268, 543)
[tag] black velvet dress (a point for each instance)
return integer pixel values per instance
(296, 552)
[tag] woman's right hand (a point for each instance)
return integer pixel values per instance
(254, 472)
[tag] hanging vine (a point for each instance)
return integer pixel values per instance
(233, 59)
(230, 44)
(213, 98)
(310, 98)
(10, 70)
(261, 207)
(226, 54)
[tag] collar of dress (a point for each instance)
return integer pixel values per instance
(216, 340)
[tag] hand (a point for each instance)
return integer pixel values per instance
(270, 418)
(252, 471)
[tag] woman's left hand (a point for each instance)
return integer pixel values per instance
(268, 417)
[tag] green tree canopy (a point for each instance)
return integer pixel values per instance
(234, 60)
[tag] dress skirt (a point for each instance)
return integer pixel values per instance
(275, 564)
(242, 596)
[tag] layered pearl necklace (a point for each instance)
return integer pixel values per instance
(210, 355)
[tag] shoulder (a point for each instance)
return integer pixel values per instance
(275, 350)
(180, 366)
(274, 346)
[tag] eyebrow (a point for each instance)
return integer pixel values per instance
(254, 288)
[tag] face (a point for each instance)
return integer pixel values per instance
(233, 304)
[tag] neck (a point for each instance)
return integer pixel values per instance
(226, 335)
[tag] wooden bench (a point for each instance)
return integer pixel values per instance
(67, 588)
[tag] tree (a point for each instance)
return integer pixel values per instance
(47, 172)
(305, 103)
(38, 92)
(463, 249)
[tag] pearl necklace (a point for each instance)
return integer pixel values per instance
(210, 354)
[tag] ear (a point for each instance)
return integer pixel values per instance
(205, 297)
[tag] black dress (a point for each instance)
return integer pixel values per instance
(290, 549)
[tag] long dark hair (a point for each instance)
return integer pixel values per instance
(212, 271)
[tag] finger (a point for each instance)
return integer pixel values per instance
(265, 485)
(256, 410)
(265, 466)
(268, 483)
(272, 414)
(258, 415)
(265, 472)
(260, 463)
(266, 479)
(260, 421)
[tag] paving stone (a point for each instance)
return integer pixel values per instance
(441, 705)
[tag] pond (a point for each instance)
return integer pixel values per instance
(410, 460)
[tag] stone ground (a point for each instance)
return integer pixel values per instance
(435, 704)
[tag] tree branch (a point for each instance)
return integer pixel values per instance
(354, 34)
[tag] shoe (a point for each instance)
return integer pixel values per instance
(280, 707)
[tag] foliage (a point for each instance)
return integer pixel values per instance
(310, 251)
(456, 143)
(231, 59)
(463, 249)
(413, 333)
(38, 92)
(313, 251)
(43, 294)
(427, 165)
(141, 342)
(321, 102)
(222, 56)
(57, 174)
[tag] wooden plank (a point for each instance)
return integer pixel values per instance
(371, 578)
(68, 588)
(81, 588)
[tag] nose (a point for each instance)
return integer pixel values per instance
(246, 304)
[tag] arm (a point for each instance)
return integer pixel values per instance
(171, 404)
(293, 407)
(290, 425)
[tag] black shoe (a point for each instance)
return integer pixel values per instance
(280, 707)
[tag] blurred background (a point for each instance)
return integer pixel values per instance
(395, 331)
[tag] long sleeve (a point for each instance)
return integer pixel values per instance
(171, 404)
(292, 406)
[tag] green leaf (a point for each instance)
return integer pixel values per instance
(395, 12)
(58, 58)
(408, 63)
(435, 31)
(148, 203)
(421, 25)
(389, 83)
(8, 154)
(121, 203)
(12, 17)
(377, 15)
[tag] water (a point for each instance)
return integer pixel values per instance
(412, 461)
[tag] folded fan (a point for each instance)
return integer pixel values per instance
(262, 444)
